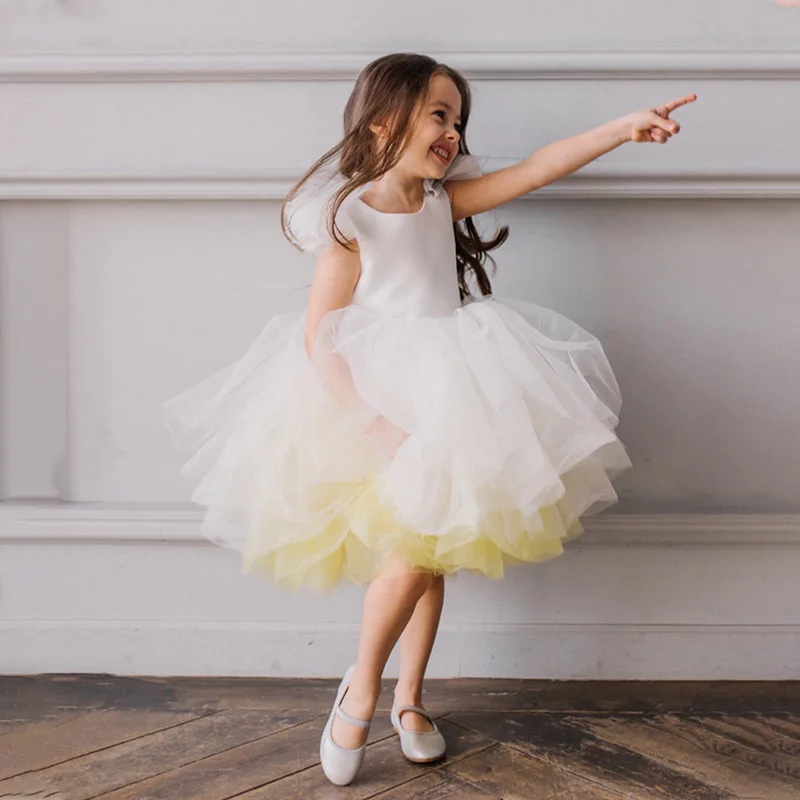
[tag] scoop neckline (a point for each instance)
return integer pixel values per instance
(398, 213)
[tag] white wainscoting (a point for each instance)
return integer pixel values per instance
(140, 251)
(179, 127)
(637, 597)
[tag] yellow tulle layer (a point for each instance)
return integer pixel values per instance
(358, 532)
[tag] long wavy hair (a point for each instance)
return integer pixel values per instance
(391, 88)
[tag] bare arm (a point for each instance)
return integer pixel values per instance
(337, 273)
(335, 279)
(548, 164)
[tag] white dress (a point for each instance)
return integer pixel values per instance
(509, 410)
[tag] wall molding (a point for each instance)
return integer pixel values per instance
(80, 523)
(559, 651)
(604, 181)
(130, 637)
(344, 66)
(609, 184)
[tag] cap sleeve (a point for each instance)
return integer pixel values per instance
(306, 214)
(465, 165)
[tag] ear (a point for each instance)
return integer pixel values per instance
(379, 130)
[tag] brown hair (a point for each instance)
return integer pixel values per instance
(390, 90)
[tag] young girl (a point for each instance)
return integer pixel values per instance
(407, 425)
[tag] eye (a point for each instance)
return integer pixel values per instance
(458, 126)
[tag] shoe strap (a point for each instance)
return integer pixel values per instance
(361, 723)
(417, 710)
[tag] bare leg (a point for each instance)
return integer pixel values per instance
(388, 605)
(416, 644)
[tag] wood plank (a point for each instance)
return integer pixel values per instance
(786, 724)
(751, 730)
(36, 696)
(49, 722)
(139, 758)
(480, 694)
(33, 697)
(241, 768)
(120, 738)
(712, 741)
(566, 742)
(437, 785)
(715, 741)
(737, 770)
(269, 693)
(384, 768)
(37, 746)
(514, 775)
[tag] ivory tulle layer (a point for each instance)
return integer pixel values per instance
(509, 410)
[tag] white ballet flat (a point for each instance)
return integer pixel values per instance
(418, 746)
(341, 764)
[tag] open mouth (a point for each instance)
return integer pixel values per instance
(441, 155)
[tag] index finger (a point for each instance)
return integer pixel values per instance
(673, 104)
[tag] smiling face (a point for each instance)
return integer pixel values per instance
(434, 141)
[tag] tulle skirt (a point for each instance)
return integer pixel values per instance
(500, 421)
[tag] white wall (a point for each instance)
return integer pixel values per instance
(144, 151)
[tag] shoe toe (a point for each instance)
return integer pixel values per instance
(339, 764)
(423, 745)
(419, 746)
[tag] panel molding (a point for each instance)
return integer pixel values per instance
(610, 184)
(79, 523)
(332, 66)
(592, 182)
(131, 639)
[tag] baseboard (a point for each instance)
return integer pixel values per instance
(547, 651)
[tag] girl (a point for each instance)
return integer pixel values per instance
(405, 427)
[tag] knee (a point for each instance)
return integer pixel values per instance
(408, 584)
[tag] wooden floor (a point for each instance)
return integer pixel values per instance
(75, 737)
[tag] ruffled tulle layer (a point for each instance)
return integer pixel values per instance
(509, 411)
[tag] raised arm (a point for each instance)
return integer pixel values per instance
(553, 161)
